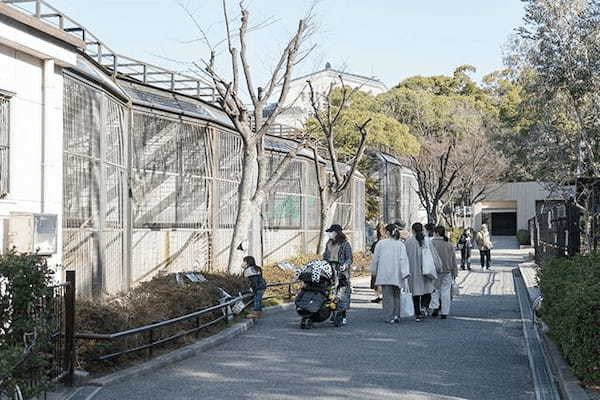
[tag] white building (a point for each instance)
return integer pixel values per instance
(298, 98)
(32, 58)
(508, 207)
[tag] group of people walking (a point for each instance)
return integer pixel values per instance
(423, 263)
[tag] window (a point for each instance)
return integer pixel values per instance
(4, 143)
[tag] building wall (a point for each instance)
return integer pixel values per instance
(299, 93)
(520, 197)
(35, 132)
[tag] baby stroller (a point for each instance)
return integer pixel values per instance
(318, 299)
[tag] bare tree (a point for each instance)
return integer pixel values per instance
(332, 186)
(436, 171)
(479, 166)
(256, 181)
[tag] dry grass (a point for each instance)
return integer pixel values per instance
(156, 300)
(162, 298)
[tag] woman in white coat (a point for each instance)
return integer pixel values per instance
(390, 268)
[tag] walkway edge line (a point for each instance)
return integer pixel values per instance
(544, 383)
(183, 353)
(568, 385)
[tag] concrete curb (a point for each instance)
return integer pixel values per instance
(544, 384)
(174, 356)
(185, 352)
(568, 385)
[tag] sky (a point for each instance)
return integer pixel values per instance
(388, 39)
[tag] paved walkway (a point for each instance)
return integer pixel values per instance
(478, 353)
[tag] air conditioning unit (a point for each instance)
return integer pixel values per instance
(30, 233)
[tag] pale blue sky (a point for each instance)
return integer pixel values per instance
(391, 39)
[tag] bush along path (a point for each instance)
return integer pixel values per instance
(163, 298)
(571, 308)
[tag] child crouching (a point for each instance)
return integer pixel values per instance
(253, 273)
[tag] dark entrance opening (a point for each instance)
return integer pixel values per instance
(504, 224)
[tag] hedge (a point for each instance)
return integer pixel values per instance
(523, 237)
(571, 308)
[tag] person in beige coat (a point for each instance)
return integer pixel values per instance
(446, 274)
(390, 269)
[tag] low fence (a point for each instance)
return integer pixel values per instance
(220, 312)
(556, 232)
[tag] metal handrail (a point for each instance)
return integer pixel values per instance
(146, 328)
(245, 298)
(112, 61)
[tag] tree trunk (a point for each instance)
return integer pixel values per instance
(246, 209)
(327, 213)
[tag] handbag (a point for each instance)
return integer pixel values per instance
(407, 309)
(455, 289)
(428, 265)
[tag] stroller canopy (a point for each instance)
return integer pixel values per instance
(315, 270)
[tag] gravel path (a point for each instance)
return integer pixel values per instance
(478, 353)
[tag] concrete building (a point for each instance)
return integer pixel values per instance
(299, 95)
(508, 207)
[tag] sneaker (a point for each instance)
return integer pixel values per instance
(396, 320)
(444, 316)
(344, 321)
(376, 300)
(391, 321)
(419, 318)
(435, 313)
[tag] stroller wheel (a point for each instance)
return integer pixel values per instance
(308, 323)
(304, 323)
(339, 317)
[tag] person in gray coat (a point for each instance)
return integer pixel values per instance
(338, 253)
(420, 286)
(390, 269)
(447, 273)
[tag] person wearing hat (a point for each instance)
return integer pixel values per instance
(338, 253)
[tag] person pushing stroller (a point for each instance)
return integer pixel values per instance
(338, 253)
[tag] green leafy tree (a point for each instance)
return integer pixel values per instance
(447, 114)
(557, 50)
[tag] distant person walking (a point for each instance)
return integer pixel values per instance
(380, 231)
(420, 285)
(338, 253)
(484, 242)
(465, 244)
(253, 273)
(390, 269)
(446, 274)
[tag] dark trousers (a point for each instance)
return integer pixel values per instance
(421, 301)
(486, 257)
(465, 257)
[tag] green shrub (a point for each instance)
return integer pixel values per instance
(523, 237)
(571, 308)
(25, 312)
